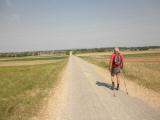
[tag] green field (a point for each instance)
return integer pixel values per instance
(31, 58)
(24, 88)
(142, 68)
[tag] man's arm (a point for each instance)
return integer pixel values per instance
(122, 64)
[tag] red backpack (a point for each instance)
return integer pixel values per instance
(117, 60)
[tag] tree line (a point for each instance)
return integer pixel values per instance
(108, 49)
(74, 51)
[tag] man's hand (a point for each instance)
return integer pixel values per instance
(121, 67)
(121, 70)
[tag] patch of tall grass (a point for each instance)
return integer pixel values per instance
(146, 74)
(23, 88)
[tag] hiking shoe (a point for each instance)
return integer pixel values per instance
(117, 87)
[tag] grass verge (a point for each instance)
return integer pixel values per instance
(97, 60)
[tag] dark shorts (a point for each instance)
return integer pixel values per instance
(115, 71)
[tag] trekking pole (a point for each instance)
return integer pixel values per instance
(113, 89)
(125, 83)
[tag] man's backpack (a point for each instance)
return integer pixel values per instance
(117, 60)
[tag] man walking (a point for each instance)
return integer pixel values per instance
(115, 67)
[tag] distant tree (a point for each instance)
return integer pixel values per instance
(67, 52)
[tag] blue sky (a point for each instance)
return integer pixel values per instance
(64, 24)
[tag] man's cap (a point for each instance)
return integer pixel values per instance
(116, 49)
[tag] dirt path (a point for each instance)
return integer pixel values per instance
(85, 95)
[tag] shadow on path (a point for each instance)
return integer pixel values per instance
(103, 84)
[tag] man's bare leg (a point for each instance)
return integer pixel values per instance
(118, 81)
(113, 83)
